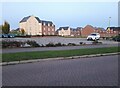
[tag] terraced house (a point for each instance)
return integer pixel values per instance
(67, 31)
(34, 26)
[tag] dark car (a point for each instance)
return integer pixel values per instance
(4, 35)
(116, 38)
(7, 35)
(11, 35)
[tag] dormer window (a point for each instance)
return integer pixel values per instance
(44, 23)
(48, 24)
(53, 25)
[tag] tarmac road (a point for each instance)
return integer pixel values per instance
(13, 50)
(96, 71)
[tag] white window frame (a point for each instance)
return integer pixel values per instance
(44, 23)
(48, 29)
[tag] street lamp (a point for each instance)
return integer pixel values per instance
(109, 21)
(109, 26)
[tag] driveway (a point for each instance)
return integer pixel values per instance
(96, 71)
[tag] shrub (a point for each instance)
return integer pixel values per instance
(96, 42)
(71, 44)
(58, 44)
(81, 43)
(32, 43)
(8, 43)
(50, 45)
(116, 38)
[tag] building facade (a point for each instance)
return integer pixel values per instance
(67, 31)
(34, 26)
(87, 30)
(103, 33)
(64, 31)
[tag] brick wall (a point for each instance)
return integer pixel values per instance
(87, 30)
(48, 30)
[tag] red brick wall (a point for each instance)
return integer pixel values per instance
(48, 30)
(87, 30)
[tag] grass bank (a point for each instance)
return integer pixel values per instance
(6, 57)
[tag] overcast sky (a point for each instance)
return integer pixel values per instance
(73, 14)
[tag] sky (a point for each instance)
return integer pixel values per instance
(73, 14)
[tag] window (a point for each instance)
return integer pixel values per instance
(44, 23)
(48, 24)
(44, 29)
(44, 33)
(53, 29)
(48, 33)
(53, 25)
(53, 33)
(48, 29)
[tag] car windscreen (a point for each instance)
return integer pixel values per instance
(93, 34)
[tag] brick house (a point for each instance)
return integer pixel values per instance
(113, 31)
(87, 30)
(103, 33)
(48, 28)
(64, 31)
(76, 31)
(109, 33)
(34, 26)
(67, 31)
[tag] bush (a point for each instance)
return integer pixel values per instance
(116, 38)
(71, 44)
(96, 42)
(33, 43)
(10, 44)
(81, 43)
(58, 44)
(50, 45)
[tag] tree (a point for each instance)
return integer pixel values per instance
(22, 31)
(6, 27)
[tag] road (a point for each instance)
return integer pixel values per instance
(13, 50)
(97, 71)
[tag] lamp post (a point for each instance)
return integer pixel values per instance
(109, 26)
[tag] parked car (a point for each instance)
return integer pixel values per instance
(11, 35)
(116, 38)
(7, 35)
(0, 35)
(4, 35)
(93, 36)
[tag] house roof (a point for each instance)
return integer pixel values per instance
(114, 28)
(65, 28)
(40, 21)
(79, 28)
(47, 22)
(25, 19)
(99, 28)
(73, 29)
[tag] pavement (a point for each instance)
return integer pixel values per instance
(95, 71)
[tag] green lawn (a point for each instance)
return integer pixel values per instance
(52, 54)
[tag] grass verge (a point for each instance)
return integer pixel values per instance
(7, 57)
